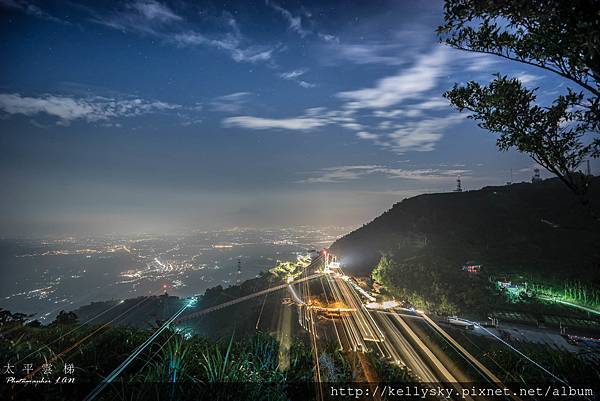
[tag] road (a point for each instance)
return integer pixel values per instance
(403, 338)
(332, 308)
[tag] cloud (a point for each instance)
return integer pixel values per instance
(347, 173)
(353, 126)
(527, 78)
(397, 113)
(293, 74)
(420, 135)
(417, 132)
(147, 17)
(67, 109)
(155, 11)
(407, 84)
(151, 18)
(385, 124)
(315, 117)
(414, 110)
(296, 124)
(363, 53)
(431, 104)
(339, 174)
(367, 135)
(417, 135)
(404, 140)
(189, 123)
(64, 108)
(478, 61)
(329, 38)
(230, 43)
(306, 85)
(30, 9)
(294, 22)
(231, 103)
(395, 48)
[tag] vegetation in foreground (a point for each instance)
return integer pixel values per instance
(511, 368)
(176, 358)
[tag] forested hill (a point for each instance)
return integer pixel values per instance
(538, 228)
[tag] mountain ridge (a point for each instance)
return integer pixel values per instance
(540, 226)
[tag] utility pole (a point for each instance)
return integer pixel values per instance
(536, 175)
(458, 185)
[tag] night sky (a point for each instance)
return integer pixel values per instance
(147, 116)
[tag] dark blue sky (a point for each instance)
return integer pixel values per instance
(149, 116)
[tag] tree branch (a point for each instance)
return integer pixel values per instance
(511, 58)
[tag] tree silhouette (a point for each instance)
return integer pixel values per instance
(562, 37)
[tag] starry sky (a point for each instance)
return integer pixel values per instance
(154, 116)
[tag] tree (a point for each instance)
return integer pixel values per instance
(65, 318)
(8, 317)
(562, 37)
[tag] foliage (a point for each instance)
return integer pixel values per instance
(576, 292)
(389, 372)
(417, 282)
(7, 317)
(196, 362)
(65, 318)
(285, 270)
(558, 36)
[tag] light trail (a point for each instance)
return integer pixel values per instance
(241, 299)
(448, 377)
(115, 373)
(71, 331)
(560, 301)
(284, 336)
(90, 320)
(395, 312)
(261, 311)
(337, 334)
(295, 296)
(175, 319)
(157, 351)
(313, 337)
(84, 339)
(467, 356)
(525, 356)
(506, 372)
(361, 327)
(349, 324)
(486, 372)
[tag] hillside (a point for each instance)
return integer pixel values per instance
(536, 230)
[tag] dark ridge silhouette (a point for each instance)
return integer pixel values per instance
(537, 228)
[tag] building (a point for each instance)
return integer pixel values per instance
(471, 267)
